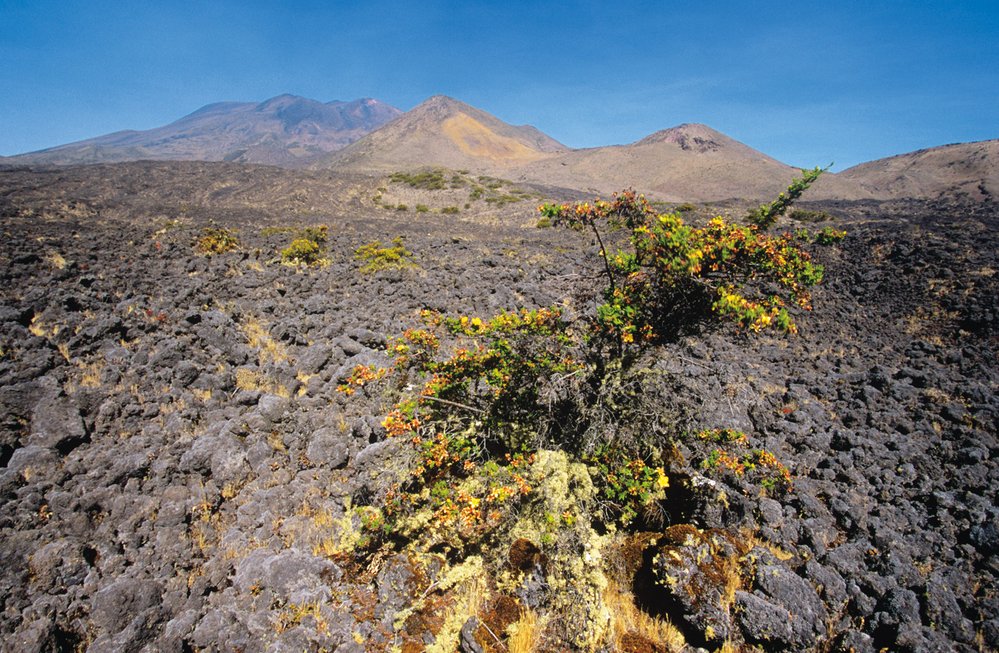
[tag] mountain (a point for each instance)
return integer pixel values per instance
(689, 162)
(963, 169)
(445, 132)
(285, 130)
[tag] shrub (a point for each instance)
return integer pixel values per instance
(317, 234)
(451, 210)
(543, 222)
(766, 215)
(216, 240)
(675, 274)
(516, 420)
(307, 247)
(377, 258)
(429, 180)
(301, 251)
(401, 207)
(422, 208)
(829, 236)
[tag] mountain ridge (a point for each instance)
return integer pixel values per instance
(443, 131)
(688, 162)
(956, 169)
(284, 130)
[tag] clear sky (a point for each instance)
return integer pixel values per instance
(806, 82)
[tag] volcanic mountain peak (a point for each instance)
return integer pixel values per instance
(283, 130)
(689, 136)
(442, 131)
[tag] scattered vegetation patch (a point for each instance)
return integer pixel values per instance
(829, 236)
(490, 190)
(805, 215)
(307, 247)
(526, 428)
(301, 251)
(376, 257)
(436, 179)
(216, 240)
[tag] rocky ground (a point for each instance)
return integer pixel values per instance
(178, 472)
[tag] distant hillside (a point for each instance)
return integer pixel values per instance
(965, 169)
(445, 132)
(690, 162)
(286, 130)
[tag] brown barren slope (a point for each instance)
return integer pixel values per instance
(690, 162)
(447, 133)
(963, 169)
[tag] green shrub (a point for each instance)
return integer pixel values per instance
(686, 207)
(376, 257)
(301, 251)
(766, 215)
(216, 240)
(450, 210)
(675, 275)
(519, 422)
(429, 180)
(543, 222)
(829, 236)
(318, 234)
(422, 208)
(401, 207)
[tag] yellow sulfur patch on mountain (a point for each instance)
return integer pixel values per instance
(476, 140)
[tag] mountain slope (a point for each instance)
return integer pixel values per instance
(689, 162)
(962, 169)
(285, 130)
(445, 132)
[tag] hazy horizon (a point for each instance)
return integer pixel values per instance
(846, 83)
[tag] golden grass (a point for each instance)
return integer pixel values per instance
(469, 597)
(627, 618)
(251, 380)
(731, 570)
(267, 348)
(295, 613)
(56, 260)
(525, 634)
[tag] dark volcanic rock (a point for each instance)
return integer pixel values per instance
(178, 471)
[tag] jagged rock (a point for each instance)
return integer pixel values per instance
(148, 458)
(693, 566)
(762, 622)
(329, 447)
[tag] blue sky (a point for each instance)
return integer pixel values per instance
(806, 82)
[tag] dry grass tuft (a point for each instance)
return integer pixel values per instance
(268, 349)
(525, 634)
(56, 260)
(248, 379)
(627, 620)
